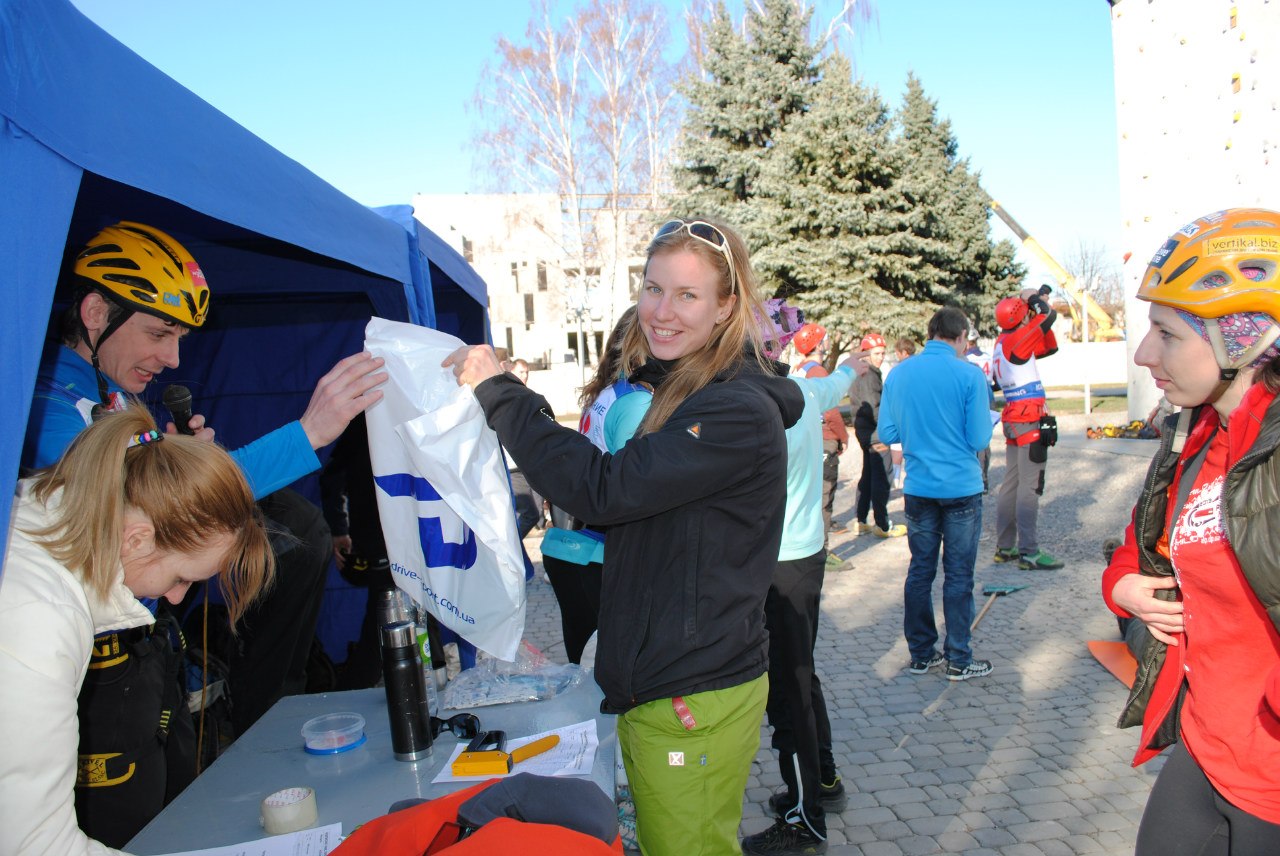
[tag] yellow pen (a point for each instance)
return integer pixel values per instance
(537, 747)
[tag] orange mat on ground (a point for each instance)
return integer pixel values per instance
(1116, 658)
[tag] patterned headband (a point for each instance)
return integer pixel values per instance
(1239, 332)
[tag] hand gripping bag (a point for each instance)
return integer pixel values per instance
(443, 493)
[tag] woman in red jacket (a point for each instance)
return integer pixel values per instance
(1200, 565)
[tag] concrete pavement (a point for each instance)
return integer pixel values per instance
(1026, 761)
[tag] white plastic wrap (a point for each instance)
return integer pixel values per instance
(443, 493)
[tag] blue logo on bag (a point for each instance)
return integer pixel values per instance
(438, 552)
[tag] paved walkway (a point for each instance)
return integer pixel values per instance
(1024, 762)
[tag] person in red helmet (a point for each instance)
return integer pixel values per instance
(1026, 324)
(1199, 565)
(811, 343)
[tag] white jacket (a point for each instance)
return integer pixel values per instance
(47, 624)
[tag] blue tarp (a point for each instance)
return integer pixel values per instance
(91, 134)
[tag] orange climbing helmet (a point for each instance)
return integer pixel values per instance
(1219, 264)
(809, 337)
(871, 341)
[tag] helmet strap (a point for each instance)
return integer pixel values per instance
(115, 325)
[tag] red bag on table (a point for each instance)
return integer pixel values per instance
(433, 827)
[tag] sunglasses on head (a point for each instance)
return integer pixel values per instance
(707, 234)
(461, 725)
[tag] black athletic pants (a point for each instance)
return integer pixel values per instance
(796, 708)
(363, 667)
(577, 589)
(1186, 816)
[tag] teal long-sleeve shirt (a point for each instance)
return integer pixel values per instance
(804, 530)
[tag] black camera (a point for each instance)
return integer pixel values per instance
(1039, 451)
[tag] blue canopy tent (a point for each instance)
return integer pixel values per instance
(91, 134)
(458, 295)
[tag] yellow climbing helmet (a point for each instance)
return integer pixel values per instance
(144, 269)
(1219, 264)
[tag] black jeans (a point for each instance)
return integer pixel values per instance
(1186, 816)
(873, 488)
(830, 475)
(796, 707)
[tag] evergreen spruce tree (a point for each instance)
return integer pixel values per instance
(752, 86)
(864, 218)
(831, 208)
(949, 257)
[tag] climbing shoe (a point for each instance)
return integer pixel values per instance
(1039, 561)
(784, 839)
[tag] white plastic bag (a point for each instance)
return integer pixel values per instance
(443, 492)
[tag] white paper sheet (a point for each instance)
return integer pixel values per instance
(308, 842)
(574, 755)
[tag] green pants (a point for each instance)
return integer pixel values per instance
(688, 783)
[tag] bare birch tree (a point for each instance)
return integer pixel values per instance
(1097, 274)
(583, 107)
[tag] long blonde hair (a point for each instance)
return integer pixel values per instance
(189, 489)
(731, 342)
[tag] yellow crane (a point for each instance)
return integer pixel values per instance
(1106, 328)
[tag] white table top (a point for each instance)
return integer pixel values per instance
(221, 805)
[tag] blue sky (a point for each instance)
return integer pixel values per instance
(374, 97)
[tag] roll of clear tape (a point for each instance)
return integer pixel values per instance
(289, 810)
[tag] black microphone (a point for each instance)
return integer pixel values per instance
(178, 399)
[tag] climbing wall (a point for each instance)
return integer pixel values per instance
(1198, 116)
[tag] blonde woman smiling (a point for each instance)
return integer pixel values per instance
(695, 508)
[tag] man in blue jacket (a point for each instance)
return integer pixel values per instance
(935, 405)
(138, 292)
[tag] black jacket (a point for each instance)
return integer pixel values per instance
(696, 511)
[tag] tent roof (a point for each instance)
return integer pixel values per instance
(91, 133)
(100, 106)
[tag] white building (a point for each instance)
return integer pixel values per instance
(1197, 92)
(523, 246)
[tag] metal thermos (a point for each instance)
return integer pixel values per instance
(406, 692)
(389, 606)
